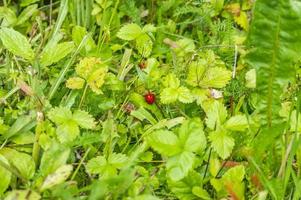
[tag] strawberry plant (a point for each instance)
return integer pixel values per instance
(171, 99)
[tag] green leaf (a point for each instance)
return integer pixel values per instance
(169, 95)
(216, 77)
(7, 16)
(164, 142)
(96, 165)
(67, 131)
(117, 160)
(58, 177)
(5, 176)
(16, 43)
(192, 136)
(22, 195)
(129, 32)
(54, 54)
(179, 165)
(222, 143)
(216, 114)
(60, 115)
(184, 95)
(274, 49)
(196, 72)
(78, 33)
(21, 161)
(143, 114)
(237, 123)
(144, 45)
(84, 119)
(26, 14)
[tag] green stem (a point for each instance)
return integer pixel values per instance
(36, 146)
(83, 96)
(80, 164)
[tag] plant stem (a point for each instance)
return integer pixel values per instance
(83, 96)
(80, 164)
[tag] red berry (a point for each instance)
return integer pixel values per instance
(150, 98)
(142, 65)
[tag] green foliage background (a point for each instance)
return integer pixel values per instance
(224, 76)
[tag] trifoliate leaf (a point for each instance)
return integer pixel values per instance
(237, 123)
(251, 78)
(58, 177)
(75, 83)
(222, 143)
(216, 77)
(144, 45)
(84, 119)
(184, 95)
(192, 136)
(129, 32)
(16, 43)
(164, 142)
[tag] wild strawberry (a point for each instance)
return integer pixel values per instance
(150, 98)
(142, 65)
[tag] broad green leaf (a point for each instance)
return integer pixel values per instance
(96, 79)
(192, 136)
(222, 143)
(200, 192)
(164, 142)
(75, 83)
(273, 38)
(54, 157)
(58, 177)
(216, 77)
(216, 114)
(169, 95)
(60, 115)
(184, 46)
(22, 195)
(149, 28)
(16, 43)
(171, 81)
(178, 166)
(96, 165)
(78, 33)
(67, 131)
(184, 95)
(143, 114)
(26, 14)
(5, 176)
(129, 32)
(84, 119)
(54, 54)
(144, 45)
(237, 123)
(21, 161)
(109, 129)
(196, 72)
(117, 160)
(183, 189)
(7, 16)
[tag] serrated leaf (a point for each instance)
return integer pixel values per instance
(216, 114)
(192, 136)
(84, 119)
(96, 165)
(129, 32)
(242, 20)
(222, 143)
(21, 161)
(54, 54)
(58, 177)
(68, 131)
(117, 160)
(216, 77)
(60, 115)
(184, 95)
(164, 142)
(237, 123)
(169, 95)
(16, 43)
